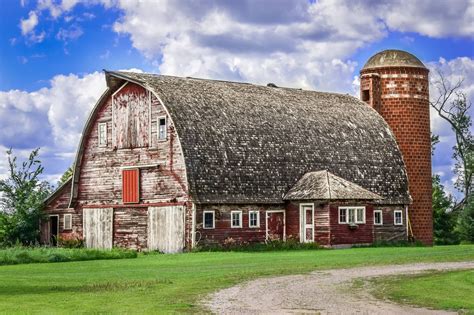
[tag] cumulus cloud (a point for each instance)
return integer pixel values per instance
(52, 116)
(29, 24)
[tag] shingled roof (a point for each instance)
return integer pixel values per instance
(323, 185)
(246, 143)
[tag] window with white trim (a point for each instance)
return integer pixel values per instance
(378, 217)
(236, 219)
(349, 215)
(162, 130)
(67, 221)
(208, 221)
(254, 219)
(102, 134)
(398, 217)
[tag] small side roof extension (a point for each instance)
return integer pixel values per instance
(323, 185)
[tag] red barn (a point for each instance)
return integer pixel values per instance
(168, 163)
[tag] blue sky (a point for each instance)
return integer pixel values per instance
(52, 54)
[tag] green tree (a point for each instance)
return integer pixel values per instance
(444, 218)
(465, 225)
(67, 174)
(21, 200)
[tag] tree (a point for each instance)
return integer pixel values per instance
(67, 174)
(444, 218)
(21, 200)
(465, 224)
(453, 106)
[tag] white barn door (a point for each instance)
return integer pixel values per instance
(98, 227)
(166, 229)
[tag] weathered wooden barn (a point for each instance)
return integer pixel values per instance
(168, 163)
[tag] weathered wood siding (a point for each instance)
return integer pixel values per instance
(58, 205)
(100, 178)
(341, 234)
(166, 229)
(98, 227)
(223, 230)
(321, 221)
(130, 228)
(131, 117)
(389, 231)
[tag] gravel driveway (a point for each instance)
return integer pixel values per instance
(320, 292)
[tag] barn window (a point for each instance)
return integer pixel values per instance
(398, 217)
(236, 219)
(130, 186)
(378, 217)
(254, 219)
(365, 95)
(102, 134)
(208, 220)
(349, 215)
(162, 132)
(68, 221)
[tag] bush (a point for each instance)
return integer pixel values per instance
(403, 243)
(71, 242)
(26, 255)
(234, 245)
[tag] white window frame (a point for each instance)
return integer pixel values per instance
(204, 219)
(346, 209)
(258, 219)
(70, 221)
(232, 219)
(395, 217)
(158, 128)
(102, 124)
(381, 217)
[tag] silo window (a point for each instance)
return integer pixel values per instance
(365, 95)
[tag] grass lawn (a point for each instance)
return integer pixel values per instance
(175, 283)
(453, 290)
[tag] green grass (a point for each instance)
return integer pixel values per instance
(453, 290)
(27, 255)
(175, 283)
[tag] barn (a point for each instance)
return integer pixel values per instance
(170, 163)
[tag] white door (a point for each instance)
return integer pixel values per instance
(307, 223)
(98, 227)
(166, 229)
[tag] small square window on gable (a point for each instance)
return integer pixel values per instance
(130, 186)
(102, 133)
(162, 128)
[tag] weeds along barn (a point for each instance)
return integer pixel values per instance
(168, 163)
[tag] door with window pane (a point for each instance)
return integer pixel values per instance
(307, 223)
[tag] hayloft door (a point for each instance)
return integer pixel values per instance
(275, 225)
(306, 223)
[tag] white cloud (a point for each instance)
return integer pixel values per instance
(55, 113)
(431, 18)
(71, 33)
(29, 24)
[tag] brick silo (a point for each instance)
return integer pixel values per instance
(395, 83)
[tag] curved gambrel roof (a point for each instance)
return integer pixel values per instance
(245, 143)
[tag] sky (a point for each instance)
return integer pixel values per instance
(52, 54)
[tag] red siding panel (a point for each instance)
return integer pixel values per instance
(130, 189)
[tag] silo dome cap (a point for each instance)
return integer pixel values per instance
(393, 58)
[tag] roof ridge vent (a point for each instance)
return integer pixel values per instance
(273, 85)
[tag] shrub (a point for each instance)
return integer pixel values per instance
(70, 242)
(26, 255)
(234, 245)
